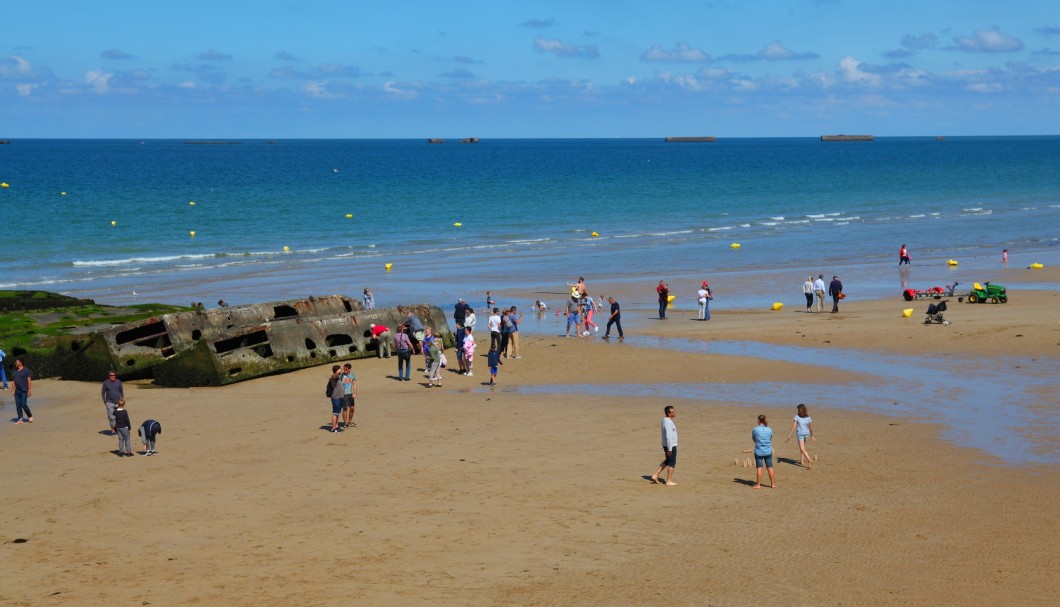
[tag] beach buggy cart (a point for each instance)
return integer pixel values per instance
(933, 292)
(986, 291)
(934, 313)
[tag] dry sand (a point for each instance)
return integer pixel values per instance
(476, 496)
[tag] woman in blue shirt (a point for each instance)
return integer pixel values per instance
(763, 438)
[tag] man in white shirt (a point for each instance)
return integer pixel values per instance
(818, 288)
(669, 445)
(494, 325)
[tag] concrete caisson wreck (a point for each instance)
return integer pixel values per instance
(253, 350)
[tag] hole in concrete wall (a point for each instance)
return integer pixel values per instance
(284, 311)
(290, 358)
(131, 362)
(310, 344)
(235, 371)
(332, 353)
(338, 339)
(75, 346)
(147, 331)
(196, 335)
(312, 355)
(347, 304)
(241, 341)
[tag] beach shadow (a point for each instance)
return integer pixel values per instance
(326, 427)
(116, 452)
(744, 481)
(646, 477)
(788, 460)
(106, 432)
(393, 377)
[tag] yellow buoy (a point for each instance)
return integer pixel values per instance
(191, 203)
(951, 262)
(62, 193)
(458, 224)
(777, 305)
(596, 235)
(906, 313)
(734, 245)
(4, 185)
(1036, 266)
(286, 248)
(114, 223)
(349, 215)
(670, 298)
(192, 233)
(388, 266)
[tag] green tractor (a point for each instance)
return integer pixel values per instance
(986, 291)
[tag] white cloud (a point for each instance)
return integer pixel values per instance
(684, 53)
(25, 90)
(99, 81)
(560, 48)
(988, 41)
(850, 71)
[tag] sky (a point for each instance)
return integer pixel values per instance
(507, 69)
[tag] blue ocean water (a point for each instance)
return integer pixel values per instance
(527, 208)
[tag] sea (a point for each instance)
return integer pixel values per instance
(128, 221)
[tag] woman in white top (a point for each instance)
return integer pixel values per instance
(803, 423)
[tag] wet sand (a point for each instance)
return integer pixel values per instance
(469, 495)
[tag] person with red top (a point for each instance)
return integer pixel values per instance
(381, 335)
(903, 256)
(664, 298)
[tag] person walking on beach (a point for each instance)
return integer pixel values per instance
(573, 318)
(818, 289)
(505, 337)
(459, 312)
(703, 296)
(762, 436)
(428, 341)
(349, 395)
(903, 256)
(513, 331)
(381, 335)
(403, 345)
(3, 371)
(369, 300)
(434, 370)
(669, 445)
(149, 430)
(113, 391)
(493, 323)
(835, 289)
(459, 336)
(1004, 260)
(123, 428)
(807, 290)
(334, 393)
(590, 310)
(469, 319)
(22, 390)
(614, 319)
(469, 352)
(664, 298)
(802, 425)
(493, 359)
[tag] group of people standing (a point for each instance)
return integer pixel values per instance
(113, 394)
(815, 288)
(761, 436)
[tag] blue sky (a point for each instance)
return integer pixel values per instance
(285, 69)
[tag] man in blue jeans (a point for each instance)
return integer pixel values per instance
(403, 345)
(3, 372)
(22, 389)
(664, 298)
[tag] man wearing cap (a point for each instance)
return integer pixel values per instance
(112, 392)
(818, 288)
(704, 296)
(382, 336)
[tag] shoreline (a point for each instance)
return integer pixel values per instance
(537, 489)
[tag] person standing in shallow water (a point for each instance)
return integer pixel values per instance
(903, 256)
(669, 445)
(614, 319)
(664, 298)
(762, 436)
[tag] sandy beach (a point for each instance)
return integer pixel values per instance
(536, 492)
